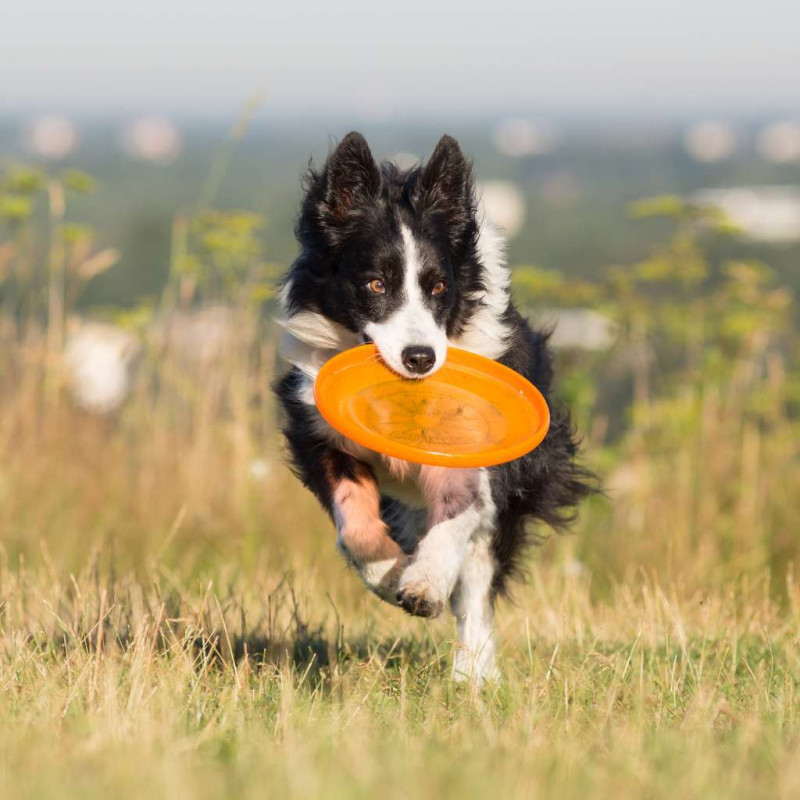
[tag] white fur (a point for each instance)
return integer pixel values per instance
(318, 331)
(376, 575)
(441, 553)
(486, 334)
(413, 323)
(472, 606)
(311, 339)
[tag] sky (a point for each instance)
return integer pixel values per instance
(389, 61)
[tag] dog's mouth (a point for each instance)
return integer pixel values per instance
(408, 372)
(403, 373)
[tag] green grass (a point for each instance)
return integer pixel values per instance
(299, 685)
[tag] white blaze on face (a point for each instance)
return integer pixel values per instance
(413, 323)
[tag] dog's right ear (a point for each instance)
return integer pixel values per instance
(350, 178)
(445, 191)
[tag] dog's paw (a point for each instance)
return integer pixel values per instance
(418, 604)
(418, 592)
(379, 567)
(383, 577)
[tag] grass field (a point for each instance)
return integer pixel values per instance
(174, 625)
(296, 684)
(175, 622)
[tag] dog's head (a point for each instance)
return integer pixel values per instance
(390, 255)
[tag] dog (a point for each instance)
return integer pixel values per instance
(403, 259)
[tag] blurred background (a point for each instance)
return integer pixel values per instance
(643, 159)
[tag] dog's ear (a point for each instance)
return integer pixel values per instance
(350, 178)
(446, 189)
(447, 173)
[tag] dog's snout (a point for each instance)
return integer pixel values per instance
(419, 360)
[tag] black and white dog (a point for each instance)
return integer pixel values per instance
(401, 258)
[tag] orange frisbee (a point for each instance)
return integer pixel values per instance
(473, 412)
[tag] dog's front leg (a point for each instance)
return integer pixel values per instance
(472, 603)
(363, 536)
(348, 491)
(458, 505)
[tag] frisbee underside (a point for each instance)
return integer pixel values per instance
(473, 412)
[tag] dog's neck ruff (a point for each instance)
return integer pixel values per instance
(310, 338)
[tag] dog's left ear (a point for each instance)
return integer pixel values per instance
(350, 177)
(446, 188)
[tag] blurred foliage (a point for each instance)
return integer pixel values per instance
(699, 393)
(220, 256)
(49, 259)
(690, 413)
(693, 317)
(75, 180)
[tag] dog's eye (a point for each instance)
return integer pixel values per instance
(377, 286)
(438, 288)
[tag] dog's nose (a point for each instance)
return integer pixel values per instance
(419, 359)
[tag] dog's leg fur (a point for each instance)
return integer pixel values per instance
(363, 537)
(472, 604)
(459, 505)
(347, 490)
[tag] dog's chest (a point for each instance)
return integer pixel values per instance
(396, 478)
(399, 479)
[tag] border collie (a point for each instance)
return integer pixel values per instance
(402, 258)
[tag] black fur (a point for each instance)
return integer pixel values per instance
(547, 484)
(348, 230)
